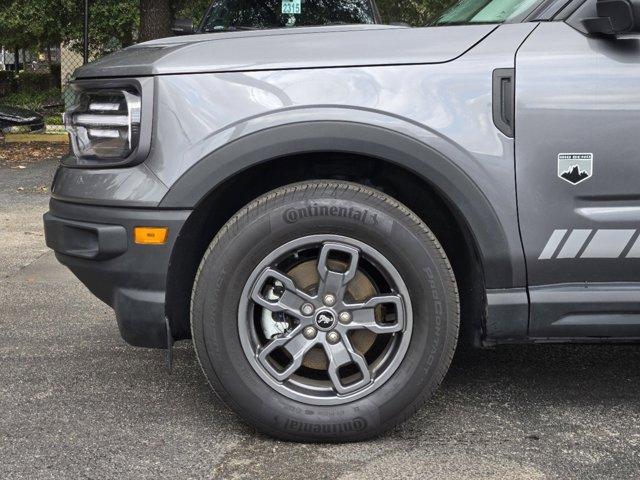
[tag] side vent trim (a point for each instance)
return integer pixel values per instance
(504, 100)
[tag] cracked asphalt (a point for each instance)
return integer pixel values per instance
(77, 402)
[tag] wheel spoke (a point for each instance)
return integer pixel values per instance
(364, 315)
(294, 343)
(332, 282)
(341, 354)
(289, 302)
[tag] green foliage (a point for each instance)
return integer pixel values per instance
(32, 23)
(34, 82)
(53, 120)
(413, 12)
(194, 9)
(38, 101)
(42, 23)
(7, 83)
(113, 24)
(7, 76)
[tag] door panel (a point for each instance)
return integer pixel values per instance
(578, 161)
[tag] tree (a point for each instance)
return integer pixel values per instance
(17, 31)
(156, 16)
(413, 12)
(113, 24)
(194, 9)
(156, 19)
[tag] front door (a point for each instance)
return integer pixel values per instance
(578, 181)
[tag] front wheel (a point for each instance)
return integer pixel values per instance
(325, 311)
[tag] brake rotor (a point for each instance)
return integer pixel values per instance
(306, 277)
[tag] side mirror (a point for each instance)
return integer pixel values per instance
(615, 17)
(183, 26)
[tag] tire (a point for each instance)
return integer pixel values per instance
(410, 323)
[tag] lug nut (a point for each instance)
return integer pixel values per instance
(345, 317)
(333, 337)
(278, 290)
(307, 309)
(309, 333)
(329, 300)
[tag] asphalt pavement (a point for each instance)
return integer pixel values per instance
(77, 402)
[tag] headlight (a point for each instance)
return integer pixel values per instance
(105, 122)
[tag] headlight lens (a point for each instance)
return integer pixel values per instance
(104, 124)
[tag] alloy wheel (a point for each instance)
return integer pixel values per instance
(325, 319)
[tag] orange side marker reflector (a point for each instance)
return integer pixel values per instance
(151, 235)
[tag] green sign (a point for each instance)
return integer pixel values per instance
(291, 7)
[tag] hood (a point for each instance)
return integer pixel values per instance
(294, 48)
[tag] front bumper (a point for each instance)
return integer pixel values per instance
(96, 244)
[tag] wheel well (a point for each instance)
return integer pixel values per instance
(405, 186)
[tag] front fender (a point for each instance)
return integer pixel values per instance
(500, 251)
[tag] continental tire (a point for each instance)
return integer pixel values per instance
(325, 311)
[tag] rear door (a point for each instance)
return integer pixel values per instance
(578, 180)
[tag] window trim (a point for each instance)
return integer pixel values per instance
(567, 12)
(554, 10)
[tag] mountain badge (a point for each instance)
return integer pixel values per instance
(575, 168)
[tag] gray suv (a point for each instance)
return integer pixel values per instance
(327, 212)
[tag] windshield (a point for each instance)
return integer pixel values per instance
(484, 11)
(255, 14)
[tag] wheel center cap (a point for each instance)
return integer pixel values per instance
(325, 320)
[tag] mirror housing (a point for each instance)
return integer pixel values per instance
(615, 17)
(183, 26)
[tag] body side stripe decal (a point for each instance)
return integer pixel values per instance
(574, 243)
(635, 250)
(608, 244)
(601, 244)
(552, 245)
